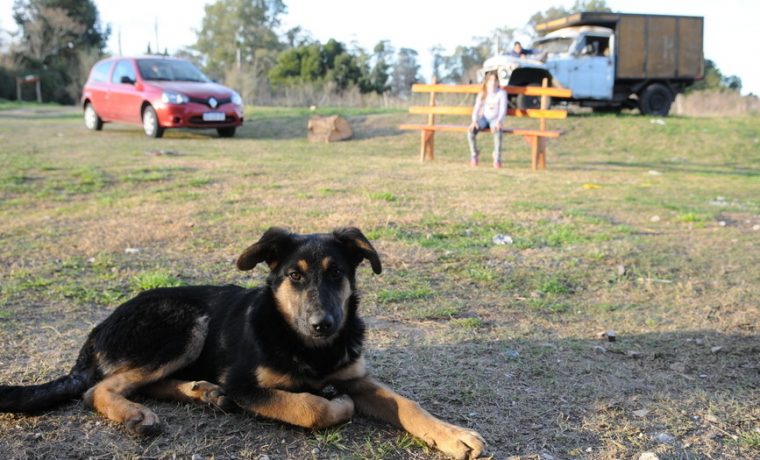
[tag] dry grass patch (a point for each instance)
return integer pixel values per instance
(503, 338)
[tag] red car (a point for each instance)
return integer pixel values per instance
(158, 93)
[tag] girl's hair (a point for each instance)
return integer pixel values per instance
(484, 88)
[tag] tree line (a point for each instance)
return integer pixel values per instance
(240, 42)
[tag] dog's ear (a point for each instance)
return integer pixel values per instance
(358, 246)
(270, 248)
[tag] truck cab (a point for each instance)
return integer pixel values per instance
(581, 59)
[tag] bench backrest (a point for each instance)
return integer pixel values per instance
(538, 91)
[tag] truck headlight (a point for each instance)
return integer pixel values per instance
(170, 97)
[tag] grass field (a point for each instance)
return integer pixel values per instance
(647, 228)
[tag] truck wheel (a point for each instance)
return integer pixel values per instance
(529, 102)
(655, 100)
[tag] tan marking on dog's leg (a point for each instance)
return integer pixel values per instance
(185, 391)
(304, 409)
(355, 370)
(270, 378)
(109, 396)
(377, 400)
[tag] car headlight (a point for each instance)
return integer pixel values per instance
(236, 99)
(170, 97)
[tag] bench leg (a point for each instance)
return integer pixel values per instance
(534, 152)
(426, 146)
(541, 153)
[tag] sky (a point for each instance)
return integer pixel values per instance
(422, 24)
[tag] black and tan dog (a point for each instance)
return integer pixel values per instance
(269, 350)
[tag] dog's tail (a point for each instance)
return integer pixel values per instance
(37, 398)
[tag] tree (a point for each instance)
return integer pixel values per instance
(405, 72)
(58, 39)
(461, 66)
(377, 75)
(716, 81)
(314, 63)
(83, 12)
(240, 27)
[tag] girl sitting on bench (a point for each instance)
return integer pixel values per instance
(489, 112)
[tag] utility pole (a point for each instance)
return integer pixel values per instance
(119, 38)
(156, 30)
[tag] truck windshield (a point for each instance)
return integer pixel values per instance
(169, 70)
(554, 45)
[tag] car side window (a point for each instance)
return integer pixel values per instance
(122, 72)
(101, 70)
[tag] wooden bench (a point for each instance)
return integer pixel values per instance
(536, 137)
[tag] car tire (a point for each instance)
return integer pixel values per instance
(150, 123)
(91, 118)
(226, 132)
(656, 99)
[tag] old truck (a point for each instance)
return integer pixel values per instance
(612, 61)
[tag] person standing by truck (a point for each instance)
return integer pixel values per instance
(489, 112)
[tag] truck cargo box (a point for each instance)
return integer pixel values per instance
(647, 46)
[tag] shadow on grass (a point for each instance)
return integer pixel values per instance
(689, 394)
(704, 169)
(295, 127)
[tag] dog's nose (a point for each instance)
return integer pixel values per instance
(322, 324)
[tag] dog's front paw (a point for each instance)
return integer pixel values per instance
(209, 393)
(459, 443)
(142, 421)
(341, 410)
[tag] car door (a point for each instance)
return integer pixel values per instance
(593, 75)
(125, 99)
(98, 88)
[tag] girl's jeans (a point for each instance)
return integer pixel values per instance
(482, 124)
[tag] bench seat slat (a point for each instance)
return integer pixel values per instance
(462, 129)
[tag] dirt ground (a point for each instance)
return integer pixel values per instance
(647, 228)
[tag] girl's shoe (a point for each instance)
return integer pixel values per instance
(497, 164)
(474, 161)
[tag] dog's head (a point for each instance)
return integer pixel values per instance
(312, 276)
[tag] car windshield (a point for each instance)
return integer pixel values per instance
(169, 70)
(554, 45)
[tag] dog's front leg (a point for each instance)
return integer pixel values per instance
(377, 400)
(301, 409)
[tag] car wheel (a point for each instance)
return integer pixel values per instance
(655, 100)
(150, 123)
(91, 118)
(226, 132)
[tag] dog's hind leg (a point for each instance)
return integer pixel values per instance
(182, 390)
(109, 398)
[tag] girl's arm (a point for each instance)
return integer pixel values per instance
(478, 107)
(502, 108)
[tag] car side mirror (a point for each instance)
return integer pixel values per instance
(126, 80)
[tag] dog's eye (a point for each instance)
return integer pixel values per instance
(335, 273)
(295, 276)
